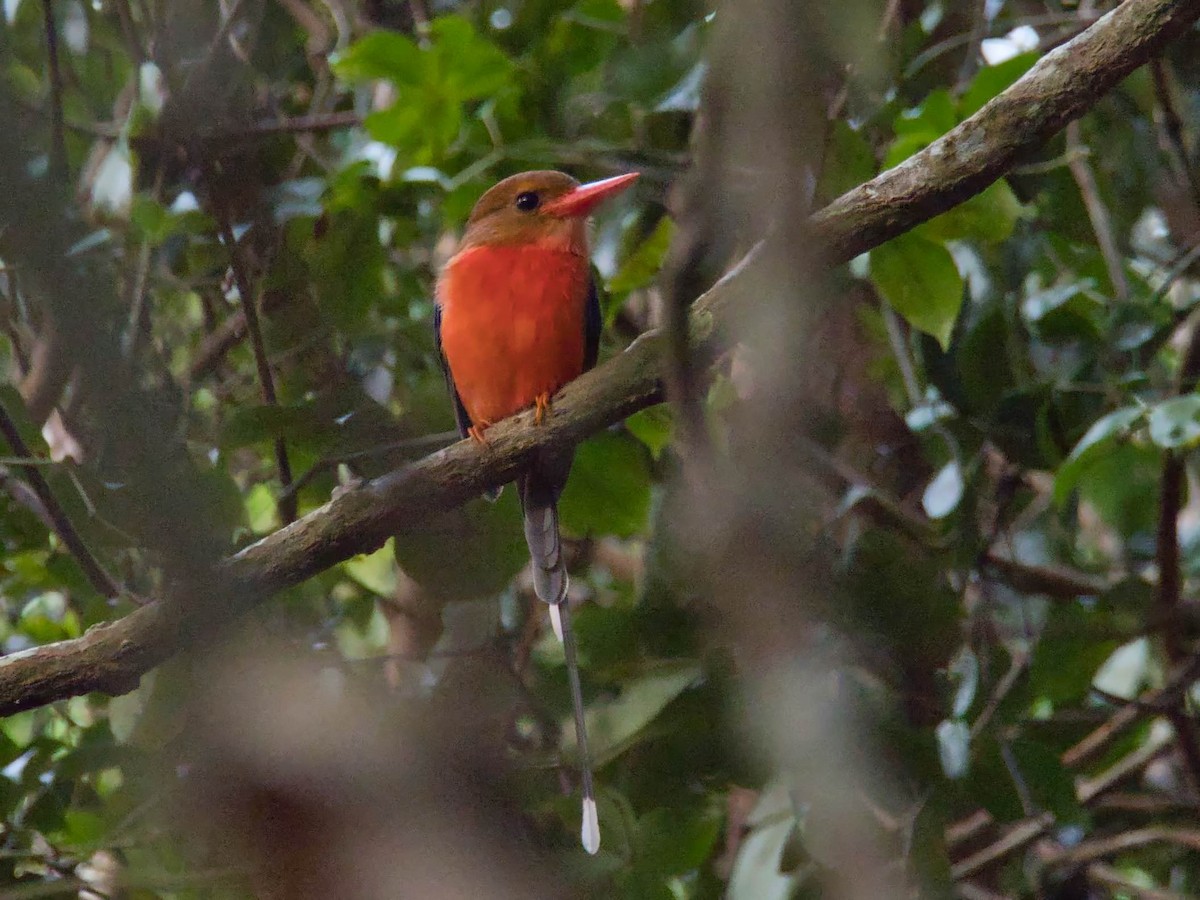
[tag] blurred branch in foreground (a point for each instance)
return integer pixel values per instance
(1061, 86)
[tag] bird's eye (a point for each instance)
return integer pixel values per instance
(528, 201)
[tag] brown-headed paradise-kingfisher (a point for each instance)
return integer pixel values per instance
(517, 317)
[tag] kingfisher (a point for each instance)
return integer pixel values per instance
(516, 317)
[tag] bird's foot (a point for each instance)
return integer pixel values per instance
(476, 432)
(541, 405)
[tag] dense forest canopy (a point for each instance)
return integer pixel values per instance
(882, 525)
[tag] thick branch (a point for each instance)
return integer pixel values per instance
(1061, 87)
(112, 657)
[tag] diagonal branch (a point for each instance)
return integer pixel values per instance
(99, 579)
(1060, 88)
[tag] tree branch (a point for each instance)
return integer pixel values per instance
(100, 580)
(1061, 87)
(58, 151)
(1028, 830)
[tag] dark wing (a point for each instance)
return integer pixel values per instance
(460, 412)
(592, 323)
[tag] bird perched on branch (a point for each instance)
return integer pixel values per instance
(517, 317)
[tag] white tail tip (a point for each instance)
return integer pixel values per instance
(556, 621)
(590, 832)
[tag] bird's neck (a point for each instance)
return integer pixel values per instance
(555, 235)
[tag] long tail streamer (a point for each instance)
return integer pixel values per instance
(590, 829)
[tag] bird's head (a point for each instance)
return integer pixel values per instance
(542, 208)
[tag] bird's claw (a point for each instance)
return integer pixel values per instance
(541, 405)
(476, 432)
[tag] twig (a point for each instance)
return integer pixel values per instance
(225, 337)
(129, 31)
(970, 891)
(1097, 741)
(1107, 875)
(1060, 582)
(1025, 832)
(1011, 124)
(58, 152)
(137, 289)
(925, 57)
(900, 353)
(420, 14)
(294, 125)
(1173, 128)
(1167, 557)
(979, 30)
(887, 20)
(287, 502)
(1016, 669)
(1099, 848)
(100, 580)
(1081, 171)
(683, 384)
(1155, 805)
(1057, 581)
(320, 39)
(425, 444)
(225, 28)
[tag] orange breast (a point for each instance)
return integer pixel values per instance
(512, 325)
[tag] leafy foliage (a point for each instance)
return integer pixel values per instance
(1019, 382)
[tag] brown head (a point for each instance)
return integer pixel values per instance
(545, 208)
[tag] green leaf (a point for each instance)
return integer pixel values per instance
(642, 266)
(1067, 657)
(1050, 785)
(470, 552)
(654, 427)
(82, 829)
(261, 509)
(920, 280)
(849, 161)
(905, 145)
(934, 116)
(1098, 440)
(954, 747)
(346, 262)
(988, 217)
(1175, 423)
(381, 54)
(615, 725)
(424, 126)
(469, 66)
(375, 571)
(299, 424)
(919, 127)
(964, 674)
(757, 873)
(674, 841)
(991, 80)
(1122, 486)
(942, 495)
(609, 488)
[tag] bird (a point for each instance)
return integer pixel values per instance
(516, 317)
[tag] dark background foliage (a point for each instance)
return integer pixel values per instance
(995, 540)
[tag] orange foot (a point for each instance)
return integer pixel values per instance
(476, 432)
(541, 404)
